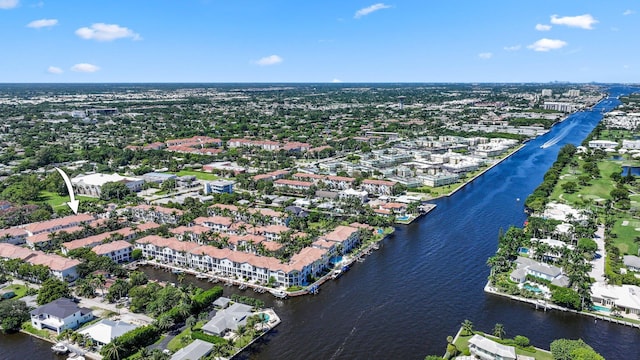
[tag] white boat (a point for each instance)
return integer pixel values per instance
(201, 276)
(60, 348)
(278, 293)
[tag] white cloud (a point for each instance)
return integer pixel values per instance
(84, 67)
(485, 55)
(543, 27)
(628, 12)
(335, 81)
(8, 4)
(581, 21)
(369, 9)
(269, 60)
(54, 70)
(513, 48)
(106, 32)
(37, 24)
(547, 44)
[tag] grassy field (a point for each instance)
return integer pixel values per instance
(200, 175)
(626, 234)
(19, 290)
(56, 200)
(597, 189)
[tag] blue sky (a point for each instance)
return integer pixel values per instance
(319, 41)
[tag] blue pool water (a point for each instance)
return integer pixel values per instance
(533, 288)
(523, 250)
(403, 217)
(336, 259)
(600, 308)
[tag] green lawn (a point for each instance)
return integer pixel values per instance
(626, 234)
(19, 290)
(198, 174)
(56, 200)
(181, 340)
(597, 189)
(462, 343)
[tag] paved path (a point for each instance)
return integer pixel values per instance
(597, 272)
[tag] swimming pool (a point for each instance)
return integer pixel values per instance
(600, 308)
(403, 217)
(533, 288)
(523, 250)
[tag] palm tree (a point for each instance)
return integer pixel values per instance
(498, 331)
(112, 351)
(467, 327)
(100, 280)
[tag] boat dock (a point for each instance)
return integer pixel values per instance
(544, 305)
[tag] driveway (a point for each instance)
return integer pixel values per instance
(597, 272)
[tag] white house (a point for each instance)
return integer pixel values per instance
(104, 331)
(486, 349)
(59, 315)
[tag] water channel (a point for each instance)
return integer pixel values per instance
(407, 297)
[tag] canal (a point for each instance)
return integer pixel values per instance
(407, 297)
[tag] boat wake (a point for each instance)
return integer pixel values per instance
(557, 138)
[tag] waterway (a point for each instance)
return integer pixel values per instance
(407, 297)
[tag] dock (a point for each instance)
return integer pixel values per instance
(545, 305)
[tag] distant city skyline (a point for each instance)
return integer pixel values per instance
(319, 41)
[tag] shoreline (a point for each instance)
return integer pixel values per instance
(225, 281)
(545, 305)
(524, 143)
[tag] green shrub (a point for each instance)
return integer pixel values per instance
(198, 334)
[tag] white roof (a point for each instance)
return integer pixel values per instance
(196, 350)
(106, 330)
(625, 296)
(506, 352)
(101, 179)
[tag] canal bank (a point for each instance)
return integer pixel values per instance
(426, 279)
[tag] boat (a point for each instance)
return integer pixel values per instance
(176, 271)
(201, 276)
(336, 274)
(60, 348)
(278, 293)
(375, 246)
(242, 286)
(345, 268)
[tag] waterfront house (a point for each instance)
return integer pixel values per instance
(59, 315)
(526, 266)
(167, 250)
(228, 319)
(486, 349)
(104, 331)
(346, 236)
(624, 297)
